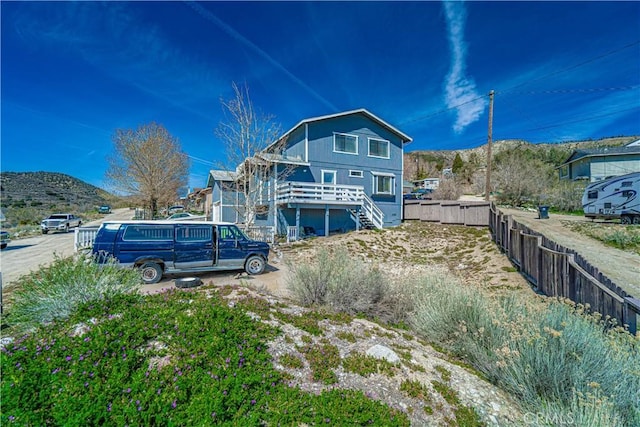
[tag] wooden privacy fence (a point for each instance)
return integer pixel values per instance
(448, 212)
(557, 271)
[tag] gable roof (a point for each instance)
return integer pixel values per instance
(220, 175)
(403, 136)
(600, 152)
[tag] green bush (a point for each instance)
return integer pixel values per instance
(175, 358)
(548, 357)
(341, 283)
(53, 292)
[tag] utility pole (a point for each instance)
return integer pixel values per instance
(487, 186)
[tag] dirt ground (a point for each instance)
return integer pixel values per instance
(622, 267)
(406, 251)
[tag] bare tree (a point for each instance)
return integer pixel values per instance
(253, 151)
(521, 179)
(148, 163)
(448, 189)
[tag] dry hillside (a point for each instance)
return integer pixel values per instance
(431, 162)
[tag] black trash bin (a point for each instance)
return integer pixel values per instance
(543, 212)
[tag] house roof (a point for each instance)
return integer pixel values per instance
(600, 152)
(403, 136)
(633, 143)
(220, 175)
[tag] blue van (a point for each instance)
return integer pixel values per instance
(169, 247)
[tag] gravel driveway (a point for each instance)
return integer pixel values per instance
(623, 268)
(25, 255)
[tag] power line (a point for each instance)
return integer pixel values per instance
(573, 67)
(511, 90)
(591, 90)
(441, 111)
(582, 120)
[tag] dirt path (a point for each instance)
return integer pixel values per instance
(25, 255)
(623, 268)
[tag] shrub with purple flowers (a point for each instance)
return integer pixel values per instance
(175, 358)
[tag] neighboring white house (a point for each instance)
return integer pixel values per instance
(427, 183)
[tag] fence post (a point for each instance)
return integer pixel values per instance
(632, 313)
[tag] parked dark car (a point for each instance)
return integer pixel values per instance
(5, 238)
(104, 209)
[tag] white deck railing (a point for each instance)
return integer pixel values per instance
(313, 192)
(83, 238)
(316, 193)
(262, 233)
(373, 212)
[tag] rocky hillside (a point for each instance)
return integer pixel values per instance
(431, 162)
(26, 196)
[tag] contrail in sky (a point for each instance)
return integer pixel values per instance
(239, 37)
(460, 89)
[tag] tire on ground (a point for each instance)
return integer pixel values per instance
(255, 265)
(187, 282)
(151, 273)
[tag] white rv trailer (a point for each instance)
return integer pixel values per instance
(612, 198)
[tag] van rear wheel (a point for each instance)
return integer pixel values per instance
(254, 265)
(151, 272)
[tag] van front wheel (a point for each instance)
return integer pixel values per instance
(255, 265)
(151, 273)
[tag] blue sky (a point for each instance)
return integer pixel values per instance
(74, 72)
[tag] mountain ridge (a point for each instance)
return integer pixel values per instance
(27, 196)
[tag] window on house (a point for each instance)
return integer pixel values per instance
(383, 183)
(343, 143)
(564, 171)
(356, 174)
(328, 177)
(378, 148)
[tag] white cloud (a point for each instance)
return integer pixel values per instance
(460, 90)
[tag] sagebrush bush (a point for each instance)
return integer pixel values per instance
(548, 357)
(343, 284)
(53, 292)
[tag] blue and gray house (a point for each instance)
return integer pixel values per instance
(327, 174)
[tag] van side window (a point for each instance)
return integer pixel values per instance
(194, 233)
(627, 183)
(592, 194)
(148, 232)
